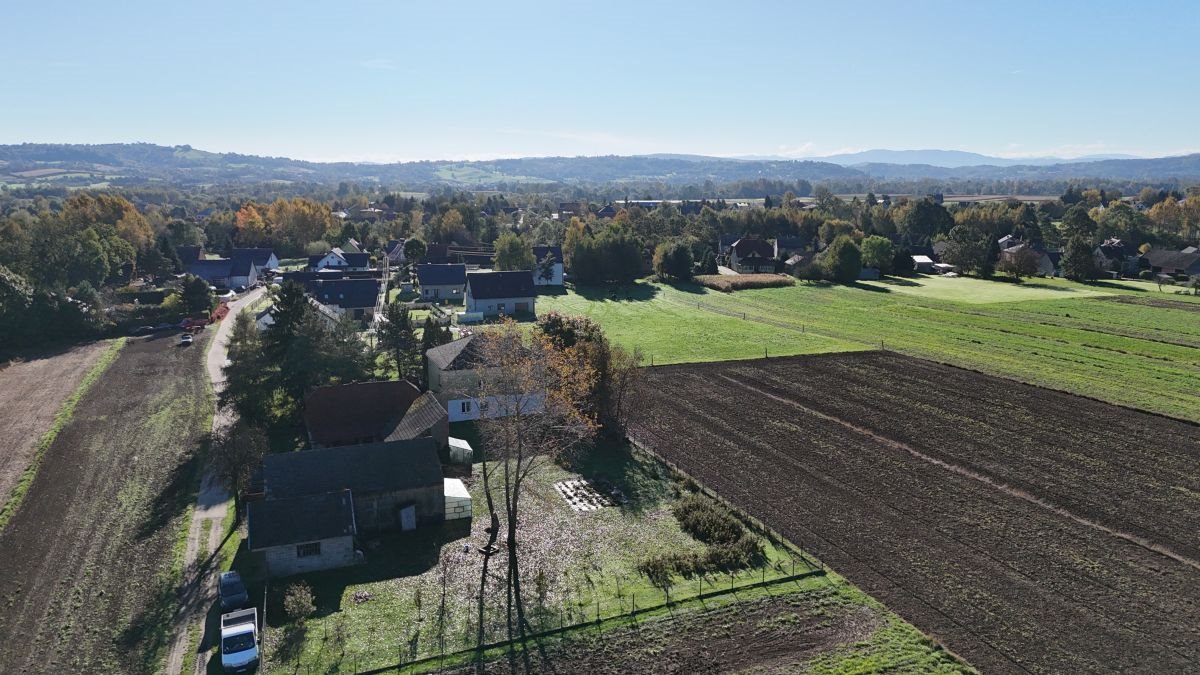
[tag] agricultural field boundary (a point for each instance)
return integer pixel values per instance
(64, 415)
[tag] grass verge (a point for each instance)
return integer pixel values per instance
(65, 413)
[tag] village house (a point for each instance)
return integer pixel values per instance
(551, 275)
(339, 259)
(373, 412)
(453, 372)
(263, 258)
(316, 502)
(226, 272)
(922, 264)
(356, 298)
(499, 293)
(1046, 265)
(442, 282)
(725, 242)
(394, 250)
(751, 256)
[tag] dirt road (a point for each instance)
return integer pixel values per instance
(31, 393)
(87, 583)
(212, 505)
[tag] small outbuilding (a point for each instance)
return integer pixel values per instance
(458, 499)
(303, 534)
(922, 264)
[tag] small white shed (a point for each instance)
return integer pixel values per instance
(460, 451)
(458, 500)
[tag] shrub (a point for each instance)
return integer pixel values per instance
(706, 521)
(727, 283)
(298, 602)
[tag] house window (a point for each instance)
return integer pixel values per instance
(306, 550)
(466, 407)
(500, 307)
(483, 406)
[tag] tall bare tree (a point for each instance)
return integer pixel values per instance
(532, 395)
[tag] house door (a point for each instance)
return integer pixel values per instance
(408, 518)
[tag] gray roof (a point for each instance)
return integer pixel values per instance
(461, 354)
(365, 469)
(1174, 260)
(489, 285)
(209, 270)
(442, 275)
(422, 415)
(259, 256)
(345, 293)
(281, 522)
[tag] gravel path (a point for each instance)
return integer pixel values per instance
(211, 507)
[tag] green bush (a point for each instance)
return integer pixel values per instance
(706, 521)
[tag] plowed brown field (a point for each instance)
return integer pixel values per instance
(1028, 530)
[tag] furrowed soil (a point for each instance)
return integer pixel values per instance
(31, 392)
(88, 581)
(1027, 530)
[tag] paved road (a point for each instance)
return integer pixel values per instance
(211, 507)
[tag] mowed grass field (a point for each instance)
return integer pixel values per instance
(1124, 343)
(669, 328)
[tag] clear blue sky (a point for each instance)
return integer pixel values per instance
(382, 81)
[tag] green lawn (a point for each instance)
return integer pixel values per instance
(659, 321)
(1123, 342)
(975, 291)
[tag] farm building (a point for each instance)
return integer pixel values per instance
(1177, 264)
(922, 264)
(458, 500)
(356, 298)
(752, 256)
(372, 412)
(500, 293)
(548, 266)
(396, 485)
(442, 282)
(453, 374)
(303, 534)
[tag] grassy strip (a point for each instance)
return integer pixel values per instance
(179, 553)
(65, 413)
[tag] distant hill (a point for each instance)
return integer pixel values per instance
(141, 163)
(951, 159)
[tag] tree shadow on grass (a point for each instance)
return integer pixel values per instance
(898, 281)
(635, 292)
(642, 484)
(687, 287)
(868, 287)
(1119, 287)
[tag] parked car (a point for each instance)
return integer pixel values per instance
(185, 339)
(240, 289)
(141, 330)
(233, 591)
(165, 326)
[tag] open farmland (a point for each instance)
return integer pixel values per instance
(1027, 529)
(89, 558)
(32, 391)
